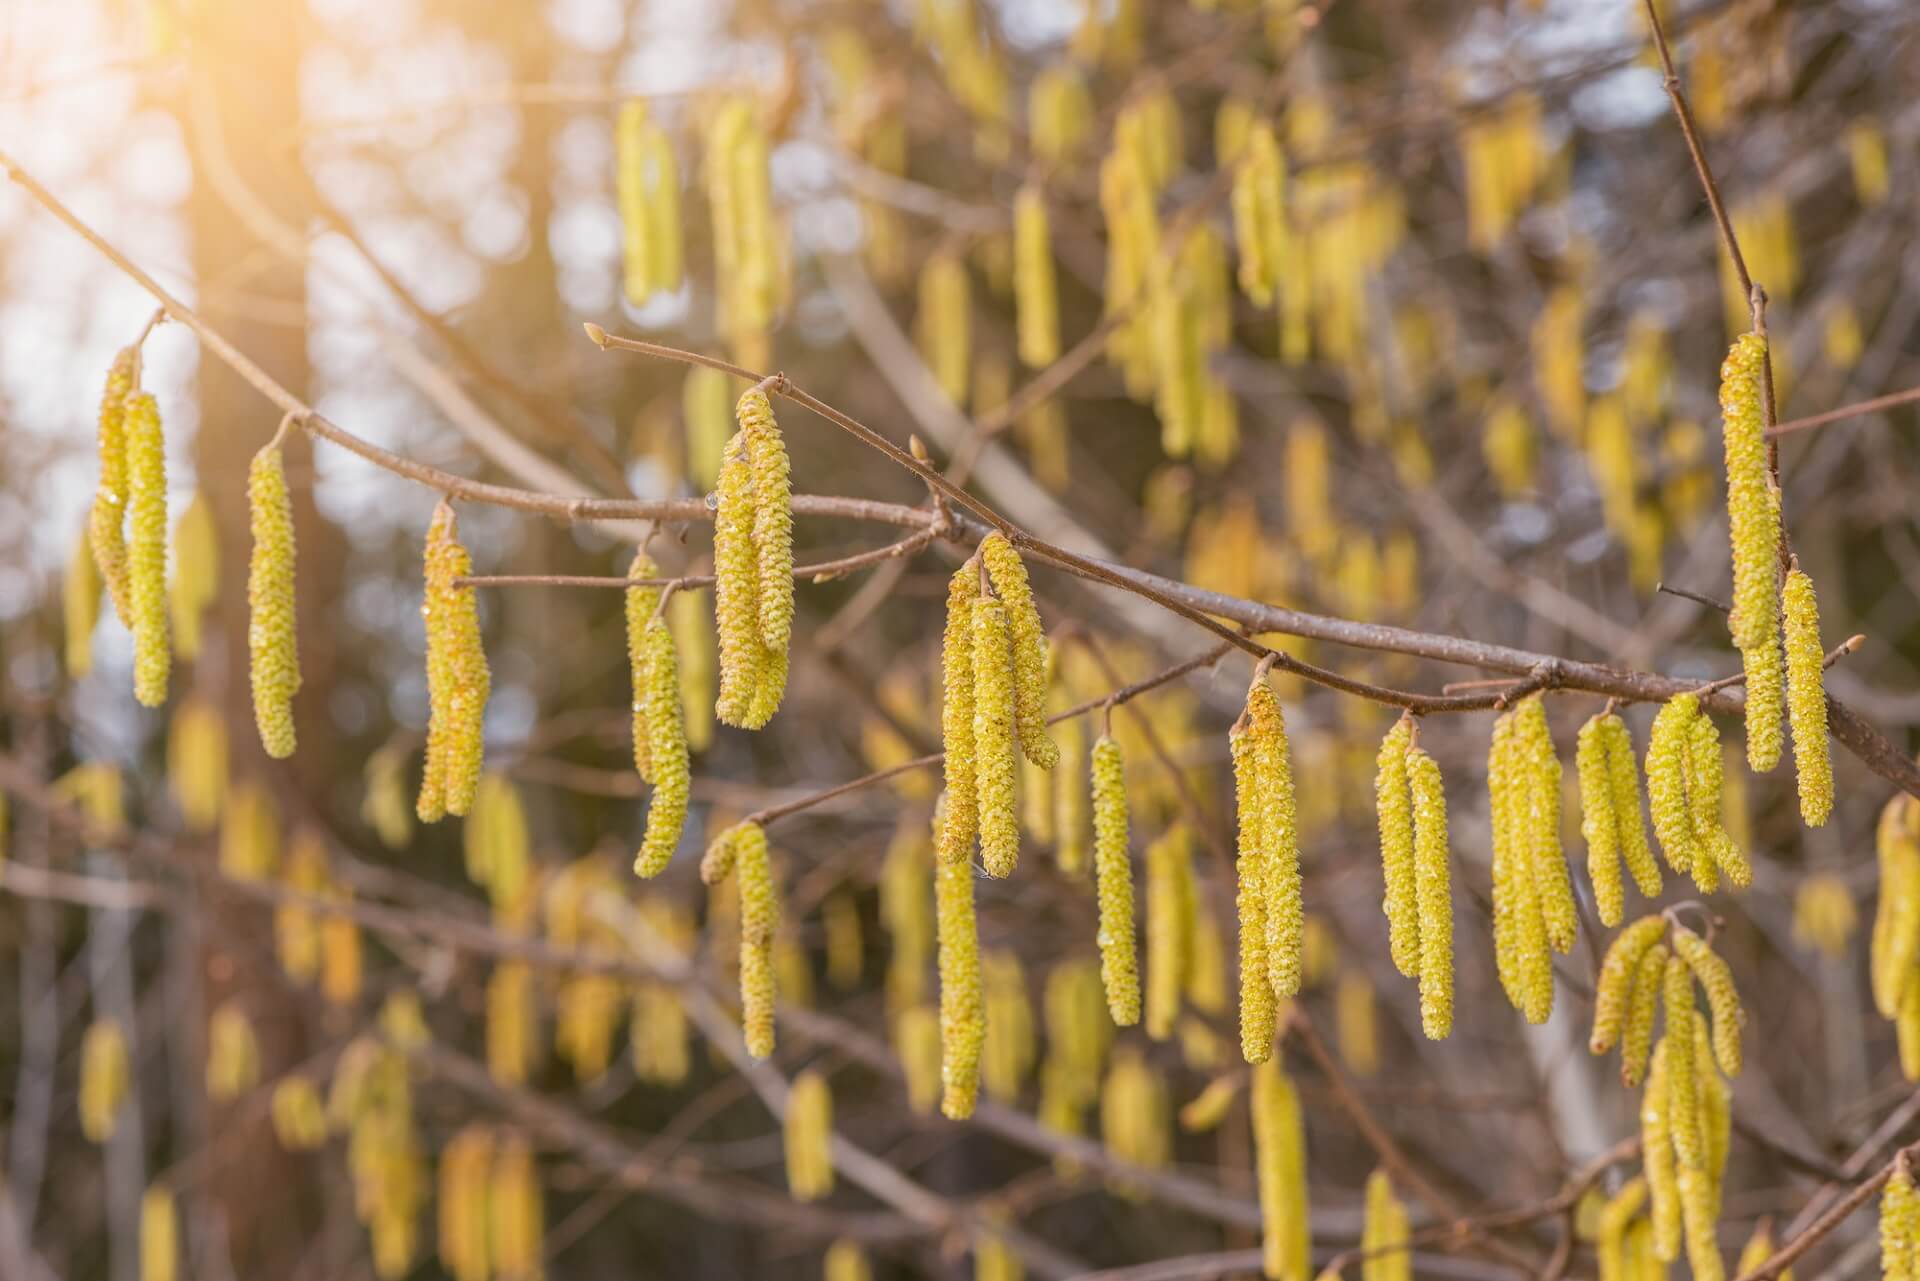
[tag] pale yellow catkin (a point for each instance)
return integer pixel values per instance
(159, 1234)
(1716, 979)
(104, 1078)
(1037, 311)
(1008, 1054)
(1394, 805)
(1433, 889)
(944, 324)
(1899, 1224)
(962, 1006)
(1683, 1076)
(1636, 1040)
(1278, 819)
(197, 762)
(1113, 874)
(1657, 1158)
(272, 644)
(961, 807)
(517, 1214)
(196, 574)
(1625, 775)
(1257, 1007)
(759, 918)
(1806, 697)
(233, 1054)
(1613, 991)
(1753, 512)
(693, 645)
(461, 1198)
(147, 549)
(1383, 1233)
(80, 590)
(667, 751)
(1522, 957)
(1541, 764)
(845, 1261)
(808, 1136)
(736, 586)
(1280, 1163)
(1599, 822)
(993, 737)
(298, 1115)
(1009, 577)
(641, 603)
(1169, 928)
(106, 519)
(458, 679)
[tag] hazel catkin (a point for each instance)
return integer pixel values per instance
(736, 585)
(993, 715)
(272, 639)
(1433, 890)
(104, 1078)
(641, 604)
(759, 918)
(458, 680)
(1806, 697)
(1683, 1077)
(1280, 1163)
(1716, 979)
(1277, 817)
(147, 549)
(1009, 577)
(963, 1020)
(1257, 1015)
(1037, 304)
(1599, 823)
(1613, 992)
(106, 519)
(667, 751)
(1541, 764)
(1113, 875)
(1643, 1006)
(80, 590)
(196, 574)
(961, 807)
(1170, 933)
(1394, 806)
(808, 1133)
(1753, 514)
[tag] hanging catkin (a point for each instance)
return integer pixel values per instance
(1683, 1078)
(147, 548)
(79, 607)
(667, 750)
(963, 1020)
(1280, 1162)
(687, 616)
(197, 762)
(461, 1198)
(196, 574)
(809, 1137)
(1384, 1233)
(1113, 876)
(1170, 917)
(233, 1053)
(944, 325)
(845, 1261)
(753, 567)
(1643, 1005)
(960, 809)
(1523, 960)
(1008, 1053)
(1806, 697)
(1279, 835)
(1657, 1159)
(1599, 824)
(759, 918)
(106, 520)
(1432, 887)
(1009, 577)
(1899, 1224)
(1257, 1013)
(993, 713)
(297, 1113)
(736, 585)
(1753, 526)
(1037, 305)
(1541, 765)
(458, 680)
(516, 1214)
(648, 185)
(272, 639)
(1394, 806)
(103, 1079)
(1613, 992)
(159, 1234)
(641, 605)
(1716, 979)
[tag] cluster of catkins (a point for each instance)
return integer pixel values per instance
(1768, 615)
(1533, 908)
(660, 748)
(1411, 803)
(127, 526)
(1267, 868)
(1685, 1115)
(1684, 780)
(491, 1218)
(753, 567)
(741, 852)
(647, 186)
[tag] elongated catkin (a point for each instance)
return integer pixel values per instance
(1753, 512)
(1521, 954)
(1683, 1078)
(667, 751)
(458, 680)
(963, 1019)
(1113, 875)
(961, 808)
(80, 590)
(1394, 804)
(1280, 1163)
(641, 604)
(759, 918)
(1716, 979)
(809, 1137)
(1036, 296)
(1636, 1041)
(1552, 886)
(1009, 577)
(1807, 698)
(106, 519)
(1170, 935)
(1257, 1015)
(196, 574)
(993, 713)
(272, 638)
(1432, 878)
(147, 549)
(1285, 915)
(736, 585)
(1614, 989)
(1599, 822)
(1625, 776)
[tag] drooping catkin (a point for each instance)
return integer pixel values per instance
(993, 715)
(1683, 1074)
(272, 638)
(196, 574)
(1657, 1158)
(1613, 992)
(104, 1078)
(147, 548)
(106, 519)
(693, 647)
(642, 603)
(298, 1115)
(1384, 1233)
(1541, 764)
(1807, 698)
(1259, 211)
(1170, 915)
(1257, 1014)
(772, 518)
(1624, 773)
(1280, 1162)
(1896, 921)
(197, 762)
(1521, 953)
(963, 1019)
(648, 184)
(759, 918)
(1753, 513)
(1113, 875)
(1643, 1006)
(1278, 819)
(1134, 1121)
(736, 585)
(1432, 885)
(1007, 1057)
(944, 324)
(517, 1215)
(1036, 294)
(1705, 779)
(808, 1132)
(80, 590)
(1722, 1000)
(1009, 577)
(233, 1054)
(667, 735)
(1394, 806)
(1899, 1224)
(458, 680)
(250, 835)
(1668, 753)
(1599, 823)
(1617, 1215)
(845, 1261)
(461, 1198)
(159, 1234)
(961, 808)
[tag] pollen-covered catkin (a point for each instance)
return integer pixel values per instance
(197, 762)
(147, 549)
(736, 585)
(1599, 823)
(1753, 513)
(159, 1234)
(1765, 702)
(1009, 577)
(79, 607)
(1624, 773)
(667, 732)
(1669, 753)
(772, 518)
(1280, 1162)
(1285, 914)
(641, 605)
(196, 574)
(516, 1213)
(993, 712)
(1807, 698)
(809, 1137)
(1170, 916)
(1113, 874)
(1705, 778)
(845, 1261)
(963, 1019)
(458, 680)
(1036, 293)
(233, 1053)
(272, 640)
(960, 810)
(106, 520)
(1541, 765)
(1394, 805)
(1657, 1159)
(1616, 1215)
(1722, 1000)
(1257, 1016)
(1643, 1006)
(1683, 1074)
(1613, 991)
(1384, 1233)
(1433, 889)
(1899, 1224)
(1522, 957)
(944, 324)
(759, 918)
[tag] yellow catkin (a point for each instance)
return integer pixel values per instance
(648, 189)
(104, 1078)
(1657, 1158)
(667, 733)
(1624, 775)
(693, 644)
(944, 324)
(233, 1055)
(1008, 1054)
(1617, 1215)
(1753, 513)
(1354, 1023)
(384, 806)
(1278, 819)
(809, 1136)
(759, 919)
(995, 1260)
(640, 606)
(159, 1234)
(1280, 1162)
(1806, 697)
(1758, 1249)
(993, 750)
(1896, 922)
(1384, 1233)
(1899, 1217)
(1669, 752)
(1636, 1041)
(272, 644)
(1432, 883)
(1722, 1000)
(250, 835)
(1009, 577)
(1613, 992)
(1552, 885)
(963, 1019)
(147, 549)
(772, 519)
(1824, 916)
(1522, 957)
(517, 1217)
(1705, 781)
(845, 1261)
(1257, 1013)
(736, 587)
(1683, 1107)
(458, 680)
(961, 808)
(1394, 807)
(1697, 1215)
(298, 1115)
(1072, 814)
(80, 590)
(341, 968)
(196, 574)
(1037, 305)
(1113, 874)
(1133, 1112)
(845, 946)
(706, 410)
(1207, 1109)
(296, 932)
(495, 840)
(1169, 929)
(1599, 822)
(462, 1202)
(512, 1023)
(197, 762)
(106, 520)
(916, 1040)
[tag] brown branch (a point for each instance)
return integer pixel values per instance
(1891, 400)
(1670, 81)
(819, 572)
(1784, 1257)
